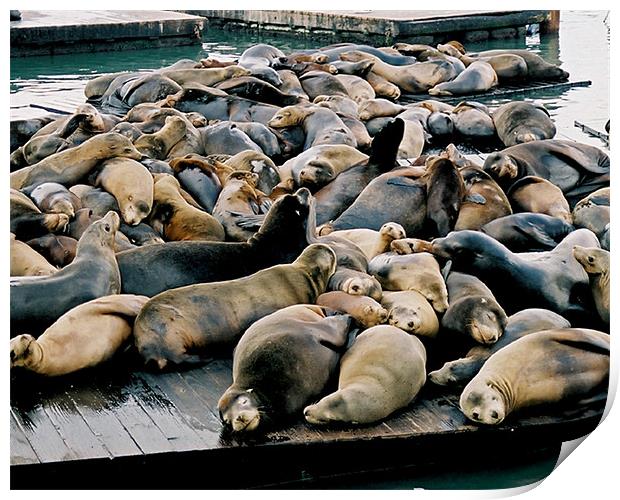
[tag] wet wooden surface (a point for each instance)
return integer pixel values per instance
(116, 416)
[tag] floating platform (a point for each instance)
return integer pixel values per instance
(115, 427)
(43, 32)
(384, 26)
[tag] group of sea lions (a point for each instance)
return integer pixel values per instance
(257, 208)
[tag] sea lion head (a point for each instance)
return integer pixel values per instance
(482, 319)
(405, 318)
(127, 129)
(102, 231)
(91, 119)
(393, 230)
(594, 260)
(196, 119)
(135, 211)
(362, 284)
(315, 174)
(55, 222)
(289, 116)
(501, 166)
(439, 123)
(332, 408)
(24, 351)
(38, 148)
(374, 315)
(235, 71)
(465, 246)
(113, 144)
(319, 257)
(239, 410)
(482, 402)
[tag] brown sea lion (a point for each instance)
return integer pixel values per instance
(534, 194)
(365, 310)
(158, 144)
(445, 192)
(57, 249)
(371, 242)
(207, 76)
(180, 325)
(281, 363)
(380, 373)
(552, 366)
(478, 77)
(85, 336)
(358, 89)
(410, 311)
(382, 87)
(595, 262)
(25, 261)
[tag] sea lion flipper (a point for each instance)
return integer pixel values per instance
(590, 344)
(336, 333)
(385, 144)
(476, 198)
(246, 221)
(535, 233)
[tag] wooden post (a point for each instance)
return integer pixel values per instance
(552, 24)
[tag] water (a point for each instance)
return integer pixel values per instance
(582, 48)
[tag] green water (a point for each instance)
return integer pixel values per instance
(581, 47)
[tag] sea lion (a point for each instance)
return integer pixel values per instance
(158, 144)
(358, 89)
(595, 262)
(506, 66)
(33, 225)
(281, 363)
(473, 310)
(552, 366)
(382, 87)
(141, 234)
(258, 59)
(460, 371)
(25, 261)
(528, 232)
(484, 200)
(283, 234)
(54, 198)
(478, 77)
(593, 212)
(373, 108)
(358, 129)
(372, 242)
(321, 125)
(198, 178)
(85, 336)
(57, 249)
(69, 166)
(410, 311)
(381, 372)
(418, 272)
(534, 194)
(131, 184)
(176, 219)
(519, 122)
(406, 246)
(366, 311)
(445, 190)
(319, 165)
(208, 77)
(291, 84)
(99, 201)
(472, 119)
(259, 90)
(334, 52)
(577, 169)
(413, 141)
(22, 130)
(180, 325)
(440, 124)
(553, 280)
(359, 69)
(38, 148)
(258, 163)
(262, 136)
(398, 196)
(38, 302)
(226, 137)
(537, 67)
(316, 83)
(338, 104)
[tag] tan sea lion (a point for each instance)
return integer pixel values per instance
(338, 104)
(158, 144)
(552, 366)
(593, 213)
(176, 219)
(410, 311)
(69, 166)
(381, 372)
(132, 186)
(238, 196)
(25, 261)
(472, 119)
(281, 363)
(366, 311)
(206, 76)
(534, 194)
(54, 198)
(537, 67)
(406, 246)
(260, 164)
(413, 140)
(506, 66)
(478, 77)
(373, 108)
(382, 87)
(359, 90)
(418, 271)
(372, 242)
(595, 262)
(180, 325)
(85, 336)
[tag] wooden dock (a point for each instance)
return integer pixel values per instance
(385, 26)
(44, 32)
(117, 427)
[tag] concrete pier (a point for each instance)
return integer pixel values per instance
(383, 26)
(68, 31)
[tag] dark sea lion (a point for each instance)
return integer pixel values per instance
(183, 324)
(25, 261)
(577, 169)
(534, 194)
(460, 371)
(382, 372)
(38, 148)
(38, 302)
(484, 200)
(27, 221)
(519, 122)
(258, 59)
(478, 77)
(227, 138)
(280, 239)
(198, 178)
(54, 198)
(156, 166)
(537, 67)
(22, 130)
(98, 200)
(595, 262)
(281, 363)
(291, 84)
(553, 366)
(440, 124)
(528, 232)
(375, 125)
(553, 280)
(57, 249)
(69, 166)
(129, 130)
(131, 184)
(256, 89)
(472, 119)
(398, 196)
(445, 192)
(262, 136)
(141, 234)
(85, 336)
(334, 198)
(473, 310)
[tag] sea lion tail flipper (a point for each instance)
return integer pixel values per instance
(250, 222)
(385, 144)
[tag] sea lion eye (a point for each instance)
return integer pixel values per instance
(590, 259)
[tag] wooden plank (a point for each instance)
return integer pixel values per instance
(21, 450)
